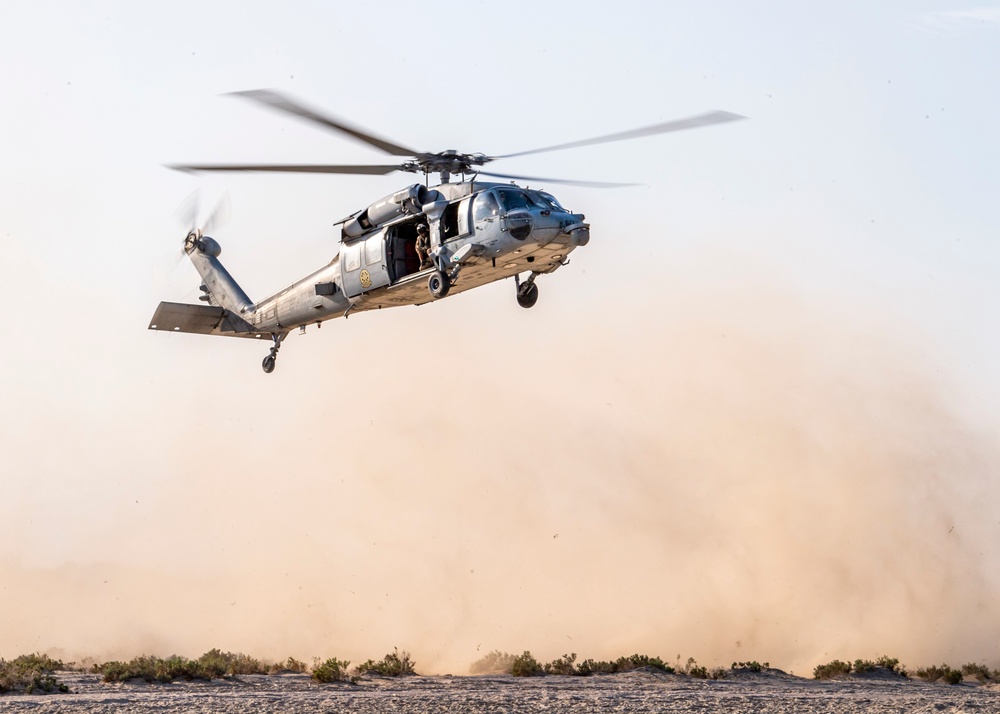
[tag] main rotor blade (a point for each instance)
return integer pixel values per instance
(694, 122)
(291, 168)
(282, 103)
(567, 182)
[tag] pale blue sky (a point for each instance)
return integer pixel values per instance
(862, 190)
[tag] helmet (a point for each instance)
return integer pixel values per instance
(422, 228)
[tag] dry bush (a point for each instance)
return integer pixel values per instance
(892, 664)
(934, 673)
(623, 664)
(394, 664)
(31, 674)
(526, 665)
(216, 663)
(564, 665)
(753, 666)
(290, 665)
(979, 671)
(333, 670)
(836, 668)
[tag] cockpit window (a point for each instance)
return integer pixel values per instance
(514, 200)
(485, 207)
(544, 201)
(551, 200)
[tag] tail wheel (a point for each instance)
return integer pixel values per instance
(438, 284)
(268, 364)
(527, 295)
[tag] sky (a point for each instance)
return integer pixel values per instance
(755, 418)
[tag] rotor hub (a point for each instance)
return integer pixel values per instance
(192, 240)
(447, 162)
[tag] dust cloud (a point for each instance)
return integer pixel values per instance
(725, 472)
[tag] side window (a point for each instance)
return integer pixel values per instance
(352, 257)
(463, 217)
(486, 206)
(373, 249)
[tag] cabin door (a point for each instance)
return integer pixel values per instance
(364, 265)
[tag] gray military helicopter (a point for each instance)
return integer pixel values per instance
(478, 232)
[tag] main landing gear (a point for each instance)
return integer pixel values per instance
(438, 284)
(268, 364)
(527, 292)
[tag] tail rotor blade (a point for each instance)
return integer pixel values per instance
(190, 214)
(219, 215)
(187, 212)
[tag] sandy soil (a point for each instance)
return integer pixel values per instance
(632, 692)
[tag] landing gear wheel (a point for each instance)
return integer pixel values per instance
(438, 284)
(527, 295)
(268, 364)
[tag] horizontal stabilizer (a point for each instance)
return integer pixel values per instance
(201, 320)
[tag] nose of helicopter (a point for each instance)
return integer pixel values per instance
(579, 233)
(575, 230)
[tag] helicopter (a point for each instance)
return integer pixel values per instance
(414, 246)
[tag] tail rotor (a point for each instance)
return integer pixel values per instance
(197, 222)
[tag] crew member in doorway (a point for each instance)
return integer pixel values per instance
(423, 246)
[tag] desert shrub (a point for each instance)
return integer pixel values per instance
(697, 671)
(526, 665)
(155, 669)
(753, 666)
(215, 664)
(836, 668)
(289, 665)
(333, 670)
(589, 666)
(565, 665)
(863, 665)
(693, 669)
(31, 674)
(38, 661)
(933, 674)
(495, 662)
(892, 664)
(979, 671)
(623, 664)
(627, 664)
(394, 664)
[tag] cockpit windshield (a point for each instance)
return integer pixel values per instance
(514, 200)
(545, 200)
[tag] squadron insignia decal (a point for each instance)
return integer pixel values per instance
(366, 279)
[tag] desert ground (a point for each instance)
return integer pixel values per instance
(638, 691)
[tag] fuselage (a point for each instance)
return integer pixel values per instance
(479, 232)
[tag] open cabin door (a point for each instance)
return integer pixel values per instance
(364, 265)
